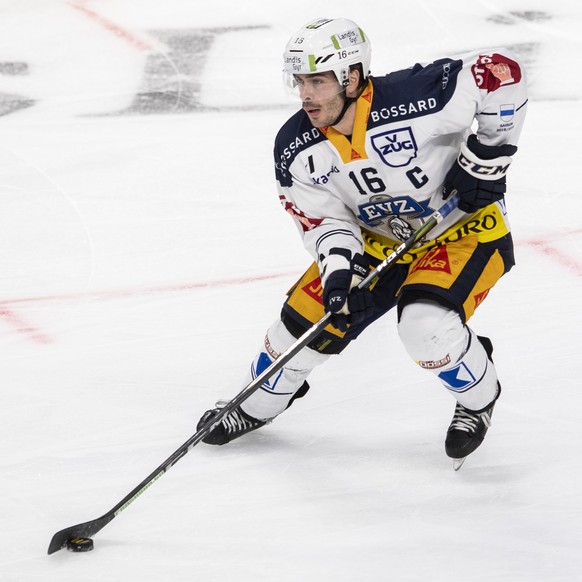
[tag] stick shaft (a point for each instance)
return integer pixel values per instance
(90, 528)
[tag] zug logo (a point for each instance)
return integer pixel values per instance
(396, 148)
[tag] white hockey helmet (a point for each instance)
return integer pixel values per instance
(326, 44)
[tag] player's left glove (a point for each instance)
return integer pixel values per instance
(478, 174)
(340, 275)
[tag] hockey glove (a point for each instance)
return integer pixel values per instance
(340, 275)
(478, 174)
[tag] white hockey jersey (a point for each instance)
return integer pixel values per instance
(409, 125)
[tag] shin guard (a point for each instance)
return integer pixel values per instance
(439, 342)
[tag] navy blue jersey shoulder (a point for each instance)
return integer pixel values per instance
(414, 92)
(296, 135)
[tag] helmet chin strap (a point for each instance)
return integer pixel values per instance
(347, 102)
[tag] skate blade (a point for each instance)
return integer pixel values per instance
(458, 463)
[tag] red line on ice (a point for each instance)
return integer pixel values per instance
(21, 326)
(132, 292)
(557, 256)
(111, 26)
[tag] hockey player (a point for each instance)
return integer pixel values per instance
(359, 168)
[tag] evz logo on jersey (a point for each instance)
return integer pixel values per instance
(396, 148)
(374, 212)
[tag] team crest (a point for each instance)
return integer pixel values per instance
(493, 71)
(396, 148)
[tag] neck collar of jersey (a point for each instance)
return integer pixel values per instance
(356, 148)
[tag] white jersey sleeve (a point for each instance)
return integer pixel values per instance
(503, 96)
(324, 221)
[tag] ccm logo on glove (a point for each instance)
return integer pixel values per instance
(477, 169)
(478, 174)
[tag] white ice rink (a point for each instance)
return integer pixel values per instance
(143, 254)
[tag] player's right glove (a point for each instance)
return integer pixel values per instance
(340, 275)
(478, 174)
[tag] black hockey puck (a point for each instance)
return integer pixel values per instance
(80, 544)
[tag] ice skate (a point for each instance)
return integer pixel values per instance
(466, 433)
(233, 425)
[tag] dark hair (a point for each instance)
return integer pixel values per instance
(363, 78)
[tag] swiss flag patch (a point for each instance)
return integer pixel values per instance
(494, 71)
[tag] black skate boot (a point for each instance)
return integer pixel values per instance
(231, 426)
(466, 432)
(468, 428)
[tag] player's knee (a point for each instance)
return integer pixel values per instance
(438, 341)
(432, 334)
(278, 391)
(278, 338)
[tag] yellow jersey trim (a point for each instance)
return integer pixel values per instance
(356, 149)
(488, 224)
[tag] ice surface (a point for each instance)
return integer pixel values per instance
(143, 254)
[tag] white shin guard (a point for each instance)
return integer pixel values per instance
(437, 340)
(274, 396)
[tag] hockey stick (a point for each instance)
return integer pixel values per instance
(90, 528)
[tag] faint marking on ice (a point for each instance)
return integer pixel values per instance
(14, 68)
(116, 29)
(172, 80)
(515, 16)
(556, 254)
(9, 103)
(137, 291)
(69, 201)
(21, 326)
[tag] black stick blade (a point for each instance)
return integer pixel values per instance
(82, 530)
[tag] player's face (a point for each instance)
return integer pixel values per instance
(321, 96)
